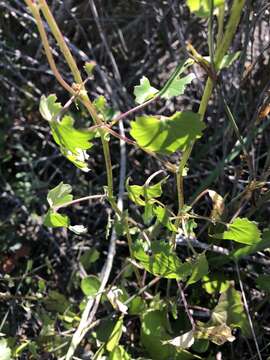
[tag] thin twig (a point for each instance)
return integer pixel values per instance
(247, 311)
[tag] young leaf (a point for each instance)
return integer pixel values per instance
(90, 285)
(162, 262)
(89, 67)
(60, 195)
(199, 269)
(177, 86)
(102, 107)
(229, 59)
(73, 142)
(48, 107)
(54, 219)
(140, 195)
(167, 135)
(115, 335)
(144, 91)
(241, 230)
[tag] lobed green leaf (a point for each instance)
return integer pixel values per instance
(167, 135)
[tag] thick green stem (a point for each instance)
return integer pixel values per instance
(222, 48)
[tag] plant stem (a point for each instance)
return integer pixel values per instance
(76, 201)
(222, 48)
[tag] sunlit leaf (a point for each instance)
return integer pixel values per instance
(154, 331)
(144, 91)
(90, 285)
(73, 142)
(102, 107)
(215, 283)
(115, 335)
(263, 244)
(163, 261)
(177, 86)
(199, 269)
(48, 107)
(140, 195)
(202, 7)
(89, 67)
(162, 215)
(60, 195)
(183, 341)
(229, 59)
(54, 219)
(241, 230)
(5, 351)
(167, 135)
(119, 353)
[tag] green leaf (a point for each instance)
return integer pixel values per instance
(5, 351)
(73, 142)
(115, 335)
(48, 107)
(229, 59)
(90, 285)
(60, 195)
(167, 135)
(177, 86)
(56, 302)
(263, 244)
(54, 219)
(162, 215)
(136, 306)
(241, 230)
(199, 269)
(162, 262)
(202, 7)
(144, 91)
(263, 281)
(215, 283)
(89, 67)
(89, 257)
(101, 106)
(154, 331)
(119, 353)
(230, 310)
(140, 195)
